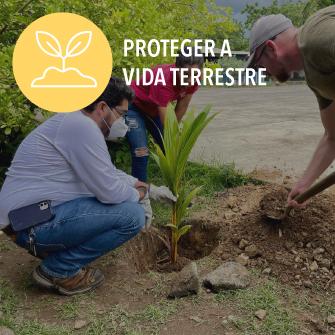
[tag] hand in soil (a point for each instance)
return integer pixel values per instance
(296, 190)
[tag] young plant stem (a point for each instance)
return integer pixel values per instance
(174, 242)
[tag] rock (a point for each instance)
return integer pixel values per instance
(260, 314)
(228, 276)
(243, 259)
(318, 251)
(196, 319)
(186, 282)
(224, 322)
(298, 259)
(307, 284)
(252, 251)
(331, 320)
(267, 271)
(78, 324)
(314, 266)
(309, 245)
(243, 243)
(6, 331)
(326, 263)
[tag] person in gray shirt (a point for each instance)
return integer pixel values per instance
(97, 207)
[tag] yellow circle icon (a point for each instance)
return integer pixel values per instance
(62, 62)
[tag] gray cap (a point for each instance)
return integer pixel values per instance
(266, 28)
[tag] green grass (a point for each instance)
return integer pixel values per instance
(70, 309)
(214, 178)
(9, 303)
(279, 319)
(120, 321)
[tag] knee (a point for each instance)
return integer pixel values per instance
(137, 215)
(141, 152)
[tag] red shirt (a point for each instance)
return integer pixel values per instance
(149, 97)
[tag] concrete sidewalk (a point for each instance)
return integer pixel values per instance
(260, 128)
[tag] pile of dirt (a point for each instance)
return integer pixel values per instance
(273, 204)
(301, 250)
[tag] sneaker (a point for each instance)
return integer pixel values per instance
(86, 280)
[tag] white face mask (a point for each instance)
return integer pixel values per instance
(118, 129)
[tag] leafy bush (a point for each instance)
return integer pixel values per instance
(119, 20)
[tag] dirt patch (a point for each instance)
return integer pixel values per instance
(273, 204)
(300, 251)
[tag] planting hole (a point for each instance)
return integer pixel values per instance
(202, 239)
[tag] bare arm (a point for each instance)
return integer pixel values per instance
(162, 112)
(182, 106)
(323, 155)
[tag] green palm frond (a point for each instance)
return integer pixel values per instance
(178, 141)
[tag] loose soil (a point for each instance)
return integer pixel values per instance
(299, 253)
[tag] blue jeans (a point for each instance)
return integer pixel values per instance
(138, 124)
(81, 231)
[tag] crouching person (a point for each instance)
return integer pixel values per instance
(65, 201)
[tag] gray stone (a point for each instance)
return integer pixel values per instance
(261, 314)
(325, 262)
(78, 324)
(318, 251)
(314, 266)
(228, 276)
(186, 282)
(308, 284)
(252, 251)
(6, 331)
(267, 271)
(196, 319)
(243, 259)
(331, 320)
(243, 243)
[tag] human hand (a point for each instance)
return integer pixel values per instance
(147, 211)
(162, 194)
(142, 188)
(298, 189)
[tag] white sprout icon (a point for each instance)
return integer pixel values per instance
(50, 45)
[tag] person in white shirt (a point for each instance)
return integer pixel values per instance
(97, 207)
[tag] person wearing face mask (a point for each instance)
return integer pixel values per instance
(94, 207)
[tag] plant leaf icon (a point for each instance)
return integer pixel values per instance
(78, 43)
(48, 43)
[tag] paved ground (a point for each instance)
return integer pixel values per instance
(263, 128)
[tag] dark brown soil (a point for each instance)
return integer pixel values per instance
(150, 250)
(289, 249)
(232, 224)
(273, 204)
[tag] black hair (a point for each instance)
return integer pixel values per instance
(192, 59)
(115, 92)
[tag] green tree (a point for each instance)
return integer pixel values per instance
(290, 9)
(169, 19)
(314, 5)
(298, 12)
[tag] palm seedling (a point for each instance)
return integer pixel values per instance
(178, 141)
